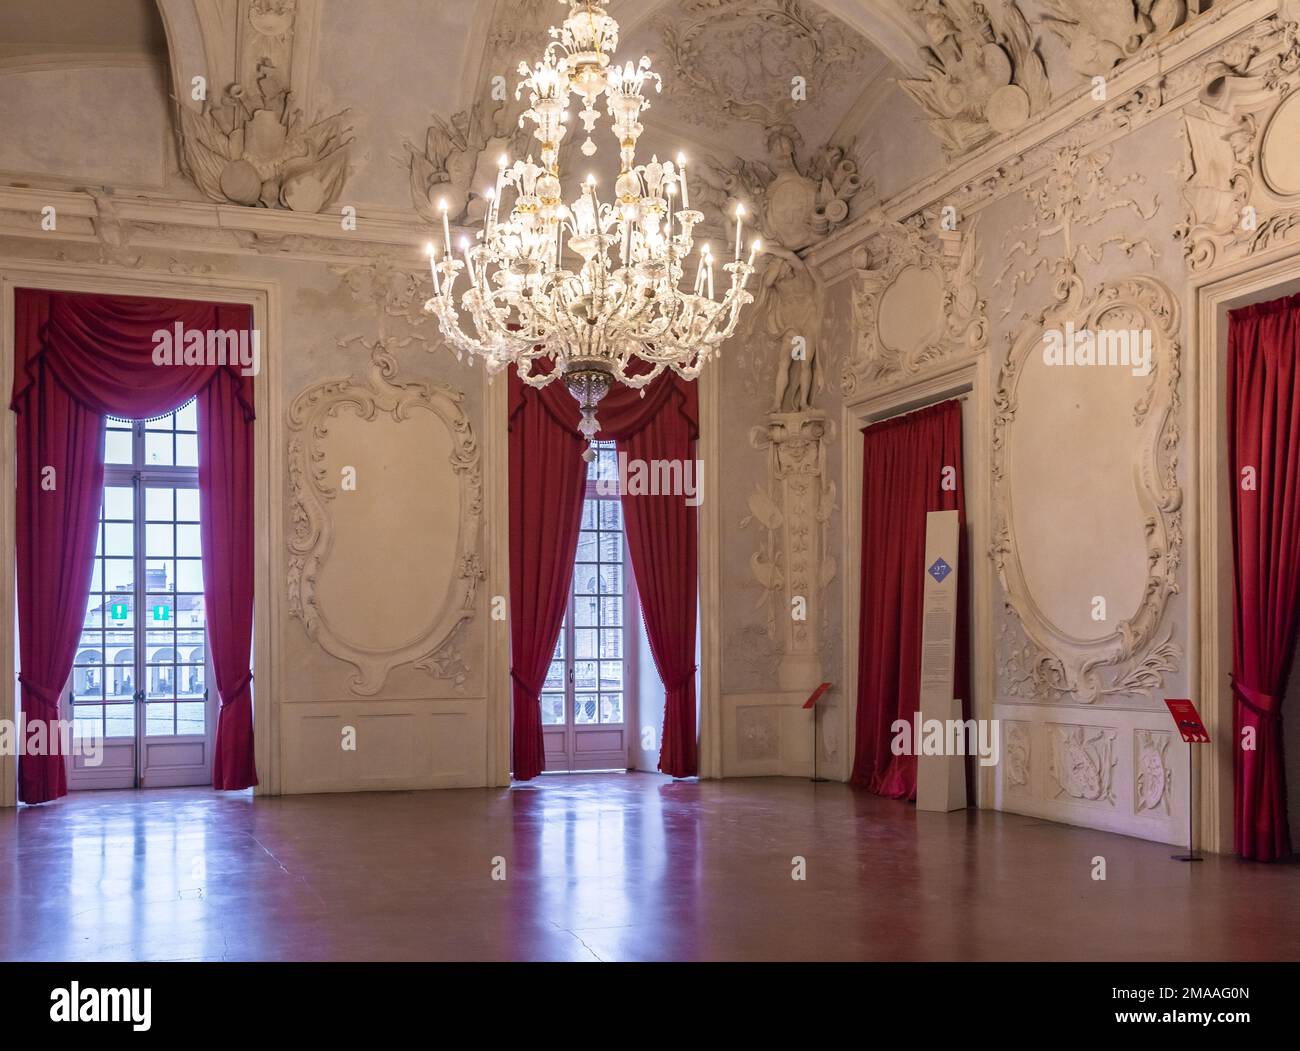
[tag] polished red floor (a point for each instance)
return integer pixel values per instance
(608, 867)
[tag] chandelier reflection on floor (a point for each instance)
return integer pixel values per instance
(620, 311)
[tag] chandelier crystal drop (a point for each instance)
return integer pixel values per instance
(598, 287)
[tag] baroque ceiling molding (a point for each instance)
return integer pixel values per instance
(1100, 34)
(254, 146)
(1166, 75)
(733, 60)
(1131, 660)
(1241, 187)
(902, 258)
(983, 74)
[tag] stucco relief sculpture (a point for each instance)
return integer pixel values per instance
(793, 564)
(1079, 660)
(323, 422)
(734, 59)
(1081, 763)
(1241, 190)
(254, 147)
(458, 162)
(1152, 776)
(793, 206)
(915, 300)
(1074, 196)
(983, 74)
(1071, 653)
(1100, 34)
(433, 644)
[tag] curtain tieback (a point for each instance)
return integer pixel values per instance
(42, 695)
(242, 684)
(529, 692)
(681, 682)
(1265, 704)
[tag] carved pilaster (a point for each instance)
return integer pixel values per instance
(793, 564)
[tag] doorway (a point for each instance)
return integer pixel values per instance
(140, 679)
(588, 698)
(1268, 278)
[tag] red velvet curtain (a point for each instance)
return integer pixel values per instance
(662, 537)
(79, 358)
(548, 478)
(903, 479)
(1264, 435)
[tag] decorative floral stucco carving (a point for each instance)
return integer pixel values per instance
(1240, 188)
(792, 206)
(434, 647)
(1073, 196)
(758, 734)
(983, 74)
(793, 564)
(1100, 34)
(901, 263)
(255, 148)
(1152, 776)
(391, 292)
(734, 59)
(1132, 659)
(1081, 763)
(1018, 756)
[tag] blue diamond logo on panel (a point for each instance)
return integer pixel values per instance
(939, 570)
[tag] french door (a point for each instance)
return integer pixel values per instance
(141, 674)
(589, 688)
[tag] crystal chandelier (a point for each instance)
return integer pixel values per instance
(597, 287)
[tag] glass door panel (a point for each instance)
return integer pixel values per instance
(140, 675)
(583, 723)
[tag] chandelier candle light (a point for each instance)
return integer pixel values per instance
(618, 312)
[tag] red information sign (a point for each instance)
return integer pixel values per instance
(816, 695)
(1188, 720)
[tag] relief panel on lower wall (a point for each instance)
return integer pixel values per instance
(767, 735)
(1121, 771)
(399, 745)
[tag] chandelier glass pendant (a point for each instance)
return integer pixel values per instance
(597, 287)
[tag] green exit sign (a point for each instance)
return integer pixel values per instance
(117, 611)
(162, 613)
